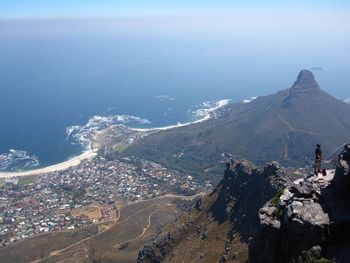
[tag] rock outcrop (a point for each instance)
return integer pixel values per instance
(306, 82)
(312, 214)
(243, 191)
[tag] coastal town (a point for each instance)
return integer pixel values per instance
(53, 201)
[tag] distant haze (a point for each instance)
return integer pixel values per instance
(242, 43)
(250, 43)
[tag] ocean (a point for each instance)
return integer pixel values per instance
(52, 87)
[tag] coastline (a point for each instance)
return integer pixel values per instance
(52, 168)
(207, 114)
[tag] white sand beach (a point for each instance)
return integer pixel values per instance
(205, 112)
(53, 168)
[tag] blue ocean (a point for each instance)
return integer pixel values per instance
(52, 83)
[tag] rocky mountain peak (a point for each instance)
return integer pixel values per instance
(305, 80)
(305, 75)
(305, 90)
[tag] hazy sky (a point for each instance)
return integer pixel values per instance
(318, 30)
(19, 9)
(294, 18)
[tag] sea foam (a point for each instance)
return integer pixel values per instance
(83, 133)
(203, 112)
(15, 160)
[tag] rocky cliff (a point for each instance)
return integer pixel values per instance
(220, 226)
(263, 216)
(309, 221)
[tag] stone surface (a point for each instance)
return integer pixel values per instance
(313, 213)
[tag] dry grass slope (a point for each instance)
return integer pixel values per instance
(118, 242)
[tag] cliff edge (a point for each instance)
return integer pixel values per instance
(308, 221)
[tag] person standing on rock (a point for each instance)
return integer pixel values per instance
(318, 159)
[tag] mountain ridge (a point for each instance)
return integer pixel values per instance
(284, 126)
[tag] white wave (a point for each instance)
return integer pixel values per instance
(164, 98)
(210, 111)
(52, 168)
(347, 100)
(83, 133)
(249, 100)
(17, 160)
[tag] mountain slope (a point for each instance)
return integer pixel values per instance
(117, 240)
(221, 224)
(284, 126)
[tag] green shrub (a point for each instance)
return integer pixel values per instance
(324, 260)
(275, 200)
(313, 256)
(277, 213)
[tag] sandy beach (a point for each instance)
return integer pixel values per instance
(53, 168)
(206, 113)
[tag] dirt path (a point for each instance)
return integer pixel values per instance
(299, 130)
(117, 222)
(59, 252)
(142, 234)
(332, 152)
(148, 225)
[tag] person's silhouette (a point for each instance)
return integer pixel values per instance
(318, 159)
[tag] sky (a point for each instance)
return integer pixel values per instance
(329, 19)
(24, 9)
(291, 17)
